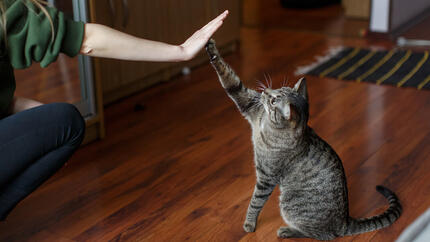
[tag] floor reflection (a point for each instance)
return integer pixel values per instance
(59, 82)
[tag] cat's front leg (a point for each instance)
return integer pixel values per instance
(262, 191)
(246, 99)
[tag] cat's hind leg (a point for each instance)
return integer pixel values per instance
(287, 232)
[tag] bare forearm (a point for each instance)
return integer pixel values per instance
(102, 41)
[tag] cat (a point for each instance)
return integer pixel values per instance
(288, 153)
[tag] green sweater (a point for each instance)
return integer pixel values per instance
(29, 38)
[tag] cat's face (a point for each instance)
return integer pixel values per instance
(287, 107)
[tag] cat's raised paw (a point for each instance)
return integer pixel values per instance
(249, 227)
(211, 49)
(211, 42)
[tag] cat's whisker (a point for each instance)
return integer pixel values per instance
(271, 82)
(260, 89)
(267, 81)
(260, 84)
(284, 83)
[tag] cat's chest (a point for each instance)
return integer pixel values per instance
(269, 156)
(265, 141)
(270, 139)
(269, 166)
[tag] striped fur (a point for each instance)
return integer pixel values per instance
(288, 153)
(383, 220)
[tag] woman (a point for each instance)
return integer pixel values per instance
(36, 140)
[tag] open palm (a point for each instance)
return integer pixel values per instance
(196, 42)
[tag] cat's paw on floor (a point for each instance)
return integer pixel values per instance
(249, 227)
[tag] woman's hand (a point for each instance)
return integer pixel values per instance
(102, 41)
(196, 42)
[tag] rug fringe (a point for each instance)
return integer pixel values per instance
(333, 51)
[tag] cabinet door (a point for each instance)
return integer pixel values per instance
(185, 17)
(229, 32)
(146, 19)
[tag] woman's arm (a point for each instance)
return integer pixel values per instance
(102, 41)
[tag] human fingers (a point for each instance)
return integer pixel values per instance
(216, 20)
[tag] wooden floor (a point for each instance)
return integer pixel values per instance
(182, 169)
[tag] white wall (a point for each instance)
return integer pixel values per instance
(379, 16)
(405, 10)
(402, 11)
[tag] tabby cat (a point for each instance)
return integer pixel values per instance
(288, 153)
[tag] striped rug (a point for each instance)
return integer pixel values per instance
(402, 68)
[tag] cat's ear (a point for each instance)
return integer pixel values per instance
(301, 88)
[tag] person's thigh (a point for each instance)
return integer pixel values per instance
(28, 136)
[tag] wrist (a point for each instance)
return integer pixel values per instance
(183, 54)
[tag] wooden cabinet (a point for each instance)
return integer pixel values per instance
(170, 21)
(357, 9)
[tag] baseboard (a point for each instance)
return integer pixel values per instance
(92, 130)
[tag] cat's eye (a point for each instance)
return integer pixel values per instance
(273, 101)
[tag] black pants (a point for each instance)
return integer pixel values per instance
(34, 144)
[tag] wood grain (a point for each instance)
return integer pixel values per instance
(181, 169)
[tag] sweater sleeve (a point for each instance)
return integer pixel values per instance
(30, 36)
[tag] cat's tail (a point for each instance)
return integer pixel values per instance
(358, 226)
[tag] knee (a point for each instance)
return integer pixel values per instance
(69, 115)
